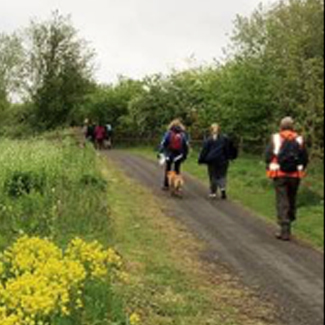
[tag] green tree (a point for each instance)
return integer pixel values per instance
(59, 70)
(110, 103)
(288, 41)
(11, 63)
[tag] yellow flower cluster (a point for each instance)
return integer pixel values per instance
(135, 319)
(39, 281)
(94, 257)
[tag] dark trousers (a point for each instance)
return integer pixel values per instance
(218, 177)
(286, 195)
(171, 165)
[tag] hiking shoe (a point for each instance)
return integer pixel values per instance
(213, 196)
(224, 195)
(285, 233)
(283, 237)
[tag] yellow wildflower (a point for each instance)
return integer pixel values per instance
(135, 319)
(44, 281)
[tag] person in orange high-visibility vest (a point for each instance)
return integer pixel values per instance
(287, 160)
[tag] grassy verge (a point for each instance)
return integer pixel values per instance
(249, 186)
(168, 281)
(50, 189)
(52, 192)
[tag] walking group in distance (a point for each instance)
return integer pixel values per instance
(286, 159)
(100, 134)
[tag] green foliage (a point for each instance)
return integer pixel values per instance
(11, 65)
(275, 67)
(288, 40)
(59, 70)
(17, 121)
(11, 72)
(53, 189)
(107, 104)
(163, 99)
(94, 181)
(48, 68)
(23, 183)
(39, 197)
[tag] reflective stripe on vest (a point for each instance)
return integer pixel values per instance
(274, 170)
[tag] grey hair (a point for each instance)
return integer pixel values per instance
(287, 123)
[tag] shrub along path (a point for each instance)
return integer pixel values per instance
(292, 275)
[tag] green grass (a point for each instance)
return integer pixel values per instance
(168, 281)
(62, 187)
(249, 186)
(51, 188)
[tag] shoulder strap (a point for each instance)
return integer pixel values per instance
(277, 143)
(300, 140)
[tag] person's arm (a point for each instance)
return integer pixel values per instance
(204, 152)
(227, 148)
(305, 156)
(186, 145)
(269, 153)
(164, 143)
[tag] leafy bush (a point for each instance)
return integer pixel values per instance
(54, 189)
(93, 181)
(41, 191)
(22, 183)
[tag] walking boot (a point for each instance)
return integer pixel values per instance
(213, 195)
(286, 236)
(224, 195)
(285, 233)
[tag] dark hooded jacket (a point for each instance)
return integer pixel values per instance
(215, 151)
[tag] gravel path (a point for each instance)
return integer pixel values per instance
(290, 274)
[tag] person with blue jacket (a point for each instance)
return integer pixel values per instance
(175, 148)
(216, 154)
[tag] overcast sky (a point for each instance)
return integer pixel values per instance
(139, 37)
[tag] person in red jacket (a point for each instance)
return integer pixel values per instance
(287, 160)
(100, 135)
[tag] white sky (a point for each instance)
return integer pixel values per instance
(139, 37)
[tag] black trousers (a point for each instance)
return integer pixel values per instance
(218, 177)
(286, 196)
(171, 165)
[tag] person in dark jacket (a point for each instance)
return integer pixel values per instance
(91, 133)
(216, 154)
(175, 148)
(287, 160)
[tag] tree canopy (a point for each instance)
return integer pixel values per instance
(59, 70)
(274, 67)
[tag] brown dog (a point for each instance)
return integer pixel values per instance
(176, 183)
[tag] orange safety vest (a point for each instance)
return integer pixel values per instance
(274, 169)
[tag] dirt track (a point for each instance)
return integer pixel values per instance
(291, 275)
